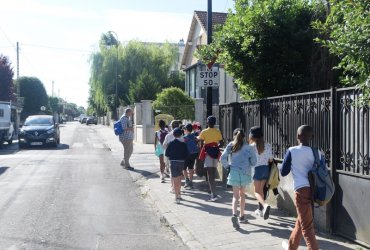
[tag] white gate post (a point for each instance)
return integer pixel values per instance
(147, 121)
(199, 111)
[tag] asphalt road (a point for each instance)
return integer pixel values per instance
(74, 197)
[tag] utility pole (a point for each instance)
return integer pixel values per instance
(18, 87)
(209, 41)
(52, 89)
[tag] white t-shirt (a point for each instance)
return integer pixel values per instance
(170, 137)
(265, 156)
(299, 160)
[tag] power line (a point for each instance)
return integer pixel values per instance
(7, 38)
(57, 48)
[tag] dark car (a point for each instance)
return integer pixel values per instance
(92, 120)
(39, 130)
(83, 120)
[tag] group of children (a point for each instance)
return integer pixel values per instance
(246, 158)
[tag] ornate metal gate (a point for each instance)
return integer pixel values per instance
(342, 131)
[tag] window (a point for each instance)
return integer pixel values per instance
(1, 112)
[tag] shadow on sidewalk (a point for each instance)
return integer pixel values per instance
(145, 173)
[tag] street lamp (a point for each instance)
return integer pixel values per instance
(114, 35)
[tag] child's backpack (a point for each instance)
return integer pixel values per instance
(117, 126)
(321, 183)
(191, 143)
(162, 135)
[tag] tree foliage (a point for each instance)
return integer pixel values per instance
(268, 47)
(34, 94)
(7, 89)
(346, 32)
(139, 65)
(176, 102)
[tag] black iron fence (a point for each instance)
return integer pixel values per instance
(342, 131)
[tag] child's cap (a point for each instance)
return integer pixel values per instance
(177, 132)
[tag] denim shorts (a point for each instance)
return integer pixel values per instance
(176, 168)
(238, 178)
(261, 173)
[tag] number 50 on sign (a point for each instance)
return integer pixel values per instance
(208, 77)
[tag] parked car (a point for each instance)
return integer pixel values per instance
(39, 130)
(83, 119)
(92, 120)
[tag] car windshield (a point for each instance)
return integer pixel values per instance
(38, 121)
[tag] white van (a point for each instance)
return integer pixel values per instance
(9, 122)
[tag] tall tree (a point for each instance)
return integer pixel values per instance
(137, 62)
(346, 32)
(267, 46)
(7, 90)
(34, 94)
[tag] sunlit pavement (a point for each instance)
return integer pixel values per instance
(207, 225)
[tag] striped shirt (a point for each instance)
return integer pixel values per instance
(126, 122)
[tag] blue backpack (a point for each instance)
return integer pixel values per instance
(321, 183)
(191, 143)
(117, 127)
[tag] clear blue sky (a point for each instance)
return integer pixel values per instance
(56, 37)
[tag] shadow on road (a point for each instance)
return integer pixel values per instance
(3, 170)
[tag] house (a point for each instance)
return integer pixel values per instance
(197, 36)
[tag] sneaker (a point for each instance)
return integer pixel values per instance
(235, 222)
(266, 212)
(258, 212)
(285, 245)
(178, 200)
(214, 198)
(163, 180)
(190, 185)
(242, 219)
(129, 168)
(171, 191)
(186, 183)
(122, 163)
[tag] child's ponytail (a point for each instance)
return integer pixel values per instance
(238, 142)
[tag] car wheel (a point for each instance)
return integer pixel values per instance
(21, 146)
(10, 142)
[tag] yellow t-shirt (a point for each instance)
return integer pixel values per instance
(210, 135)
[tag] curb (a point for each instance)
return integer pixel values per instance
(168, 218)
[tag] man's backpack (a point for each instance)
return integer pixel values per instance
(162, 135)
(321, 183)
(117, 126)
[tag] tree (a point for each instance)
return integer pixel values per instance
(146, 87)
(346, 33)
(133, 59)
(176, 102)
(7, 92)
(34, 94)
(267, 46)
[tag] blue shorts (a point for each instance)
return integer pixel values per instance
(238, 178)
(176, 168)
(261, 173)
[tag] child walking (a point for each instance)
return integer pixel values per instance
(192, 144)
(177, 152)
(239, 157)
(210, 153)
(261, 169)
(159, 137)
(299, 160)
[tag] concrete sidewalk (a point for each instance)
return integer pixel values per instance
(207, 225)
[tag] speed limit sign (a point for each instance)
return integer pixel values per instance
(209, 77)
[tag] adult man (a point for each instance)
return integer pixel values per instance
(126, 138)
